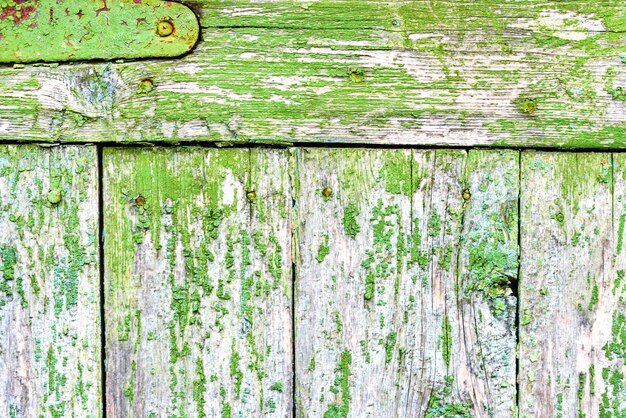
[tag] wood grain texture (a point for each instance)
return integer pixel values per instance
(50, 363)
(572, 330)
(398, 313)
(198, 282)
(372, 72)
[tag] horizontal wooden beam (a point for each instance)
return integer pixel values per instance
(531, 74)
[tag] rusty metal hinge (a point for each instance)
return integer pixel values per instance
(70, 30)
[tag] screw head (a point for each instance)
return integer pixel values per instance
(146, 86)
(251, 196)
(165, 28)
(140, 200)
(54, 197)
(327, 192)
(466, 195)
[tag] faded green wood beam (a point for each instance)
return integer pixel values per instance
(526, 74)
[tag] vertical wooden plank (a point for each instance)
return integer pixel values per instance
(198, 282)
(49, 282)
(571, 297)
(606, 390)
(487, 280)
(386, 321)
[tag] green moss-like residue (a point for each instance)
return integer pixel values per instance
(593, 301)
(445, 341)
(341, 387)
(323, 250)
(491, 242)
(396, 172)
(441, 403)
(350, 224)
(390, 345)
(199, 388)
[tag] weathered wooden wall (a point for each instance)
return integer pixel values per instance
(311, 281)
(505, 73)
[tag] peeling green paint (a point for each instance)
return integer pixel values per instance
(86, 30)
(445, 342)
(350, 225)
(341, 386)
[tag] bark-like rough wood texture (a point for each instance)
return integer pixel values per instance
(382, 72)
(405, 265)
(198, 282)
(49, 283)
(572, 311)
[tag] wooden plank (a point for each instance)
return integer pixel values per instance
(571, 294)
(396, 315)
(530, 73)
(50, 363)
(198, 282)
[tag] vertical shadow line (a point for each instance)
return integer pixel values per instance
(103, 379)
(518, 395)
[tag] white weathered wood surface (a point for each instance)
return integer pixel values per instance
(50, 363)
(572, 324)
(198, 282)
(396, 315)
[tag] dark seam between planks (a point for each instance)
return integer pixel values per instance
(103, 391)
(302, 145)
(517, 290)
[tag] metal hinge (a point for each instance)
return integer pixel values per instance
(71, 30)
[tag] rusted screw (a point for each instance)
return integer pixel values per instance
(466, 195)
(146, 86)
(251, 196)
(165, 28)
(327, 192)
(140, 200)
(54, 197)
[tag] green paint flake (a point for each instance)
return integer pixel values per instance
(278, 387)
(341, 386)
(235, 371)
(445, 342)
(370, 285)
(323, 250)
(619, 284)
(559, 217)
(616, 348)
(350, 225)
(9, 259)
(199, 388)
(440, 405)
(226, 408)
(593, 301)
(384, 260)
(434, 224)
(390, 345)
(396, 173)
